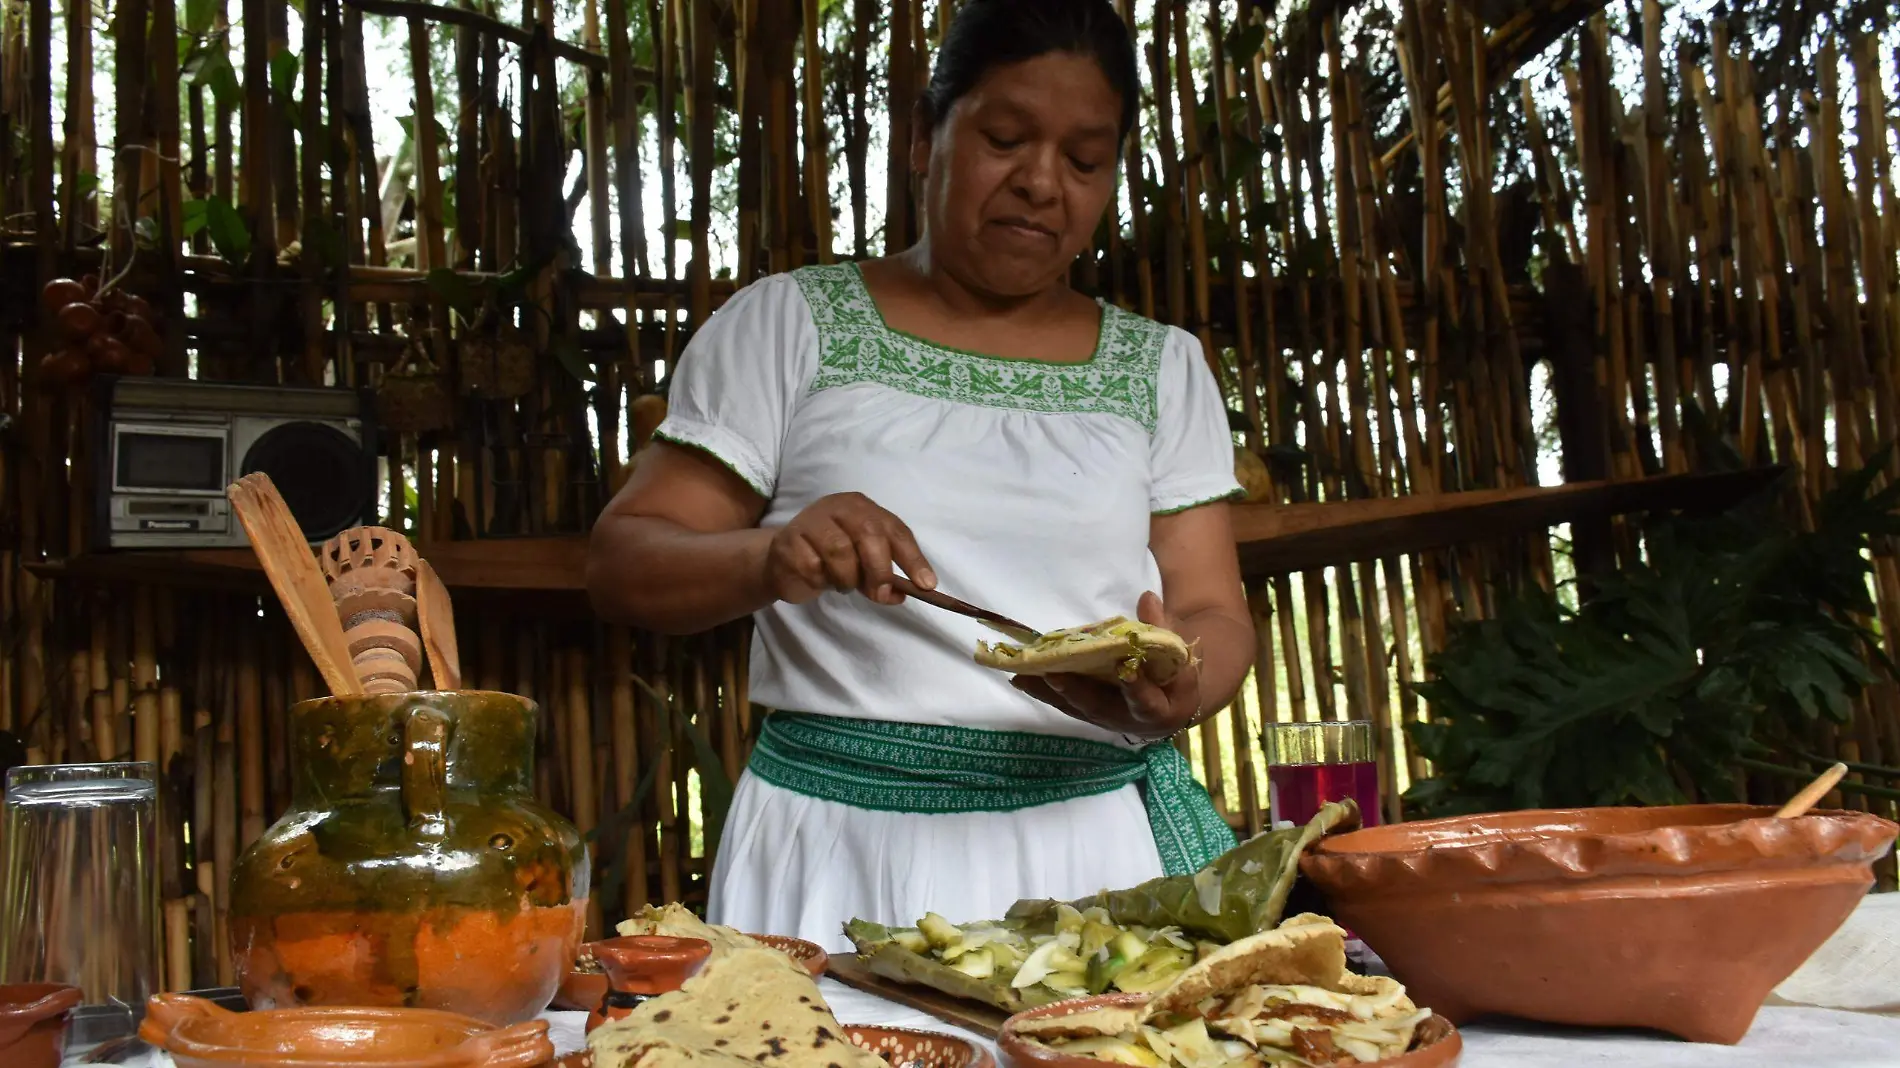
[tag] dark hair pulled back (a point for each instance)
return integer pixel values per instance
(986, 34)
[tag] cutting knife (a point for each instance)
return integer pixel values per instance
(1002, 624)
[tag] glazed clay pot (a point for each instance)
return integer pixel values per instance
(33, 1023)
(639, 967)
(199, 1034)
(414, 868)
(586, 983)
(1438, 1044)
(1680, 919)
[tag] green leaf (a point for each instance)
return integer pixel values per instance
(194, 216)
(1245, 43)
(455, 289)
(567, 352)
(283, 74)
(199, 15)
(682, 229)
(228, 230)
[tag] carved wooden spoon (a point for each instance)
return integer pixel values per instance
(285, 554)
(437, 614)
(1812, 793)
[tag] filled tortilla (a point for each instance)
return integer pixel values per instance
(677, 921)
(1281, 997)
(1117, 649)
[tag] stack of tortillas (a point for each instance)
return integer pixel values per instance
(750, 1007)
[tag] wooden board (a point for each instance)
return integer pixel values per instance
(1282, 538)
(983, 1019)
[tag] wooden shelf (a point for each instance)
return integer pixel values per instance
(1273, 539)
(551, 564)
(1277, 539)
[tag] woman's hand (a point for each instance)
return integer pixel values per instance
(1141, 707)
(843, 542)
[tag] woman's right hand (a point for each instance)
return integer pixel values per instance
(843, 542)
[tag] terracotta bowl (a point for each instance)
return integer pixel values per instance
(1680, 919)
(199, 1034)
(1438, 1044)
(901, 1047)
(581, 991)
(33, 1023)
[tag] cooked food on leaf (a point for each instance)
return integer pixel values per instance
(1114, 649)
(746, 1006)
(1134, 940)
(1282, 997)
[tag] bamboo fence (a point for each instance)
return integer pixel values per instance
(1367, 296)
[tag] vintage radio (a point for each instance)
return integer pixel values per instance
(167, 448)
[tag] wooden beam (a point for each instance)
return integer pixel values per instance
(1277, 539)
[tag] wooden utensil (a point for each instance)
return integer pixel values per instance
(438, 627)
(1812, 793)
(285, 555)
(1000, 623)
(372, 573)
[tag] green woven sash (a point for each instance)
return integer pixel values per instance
(909, 767)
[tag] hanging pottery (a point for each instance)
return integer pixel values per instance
(411, 398)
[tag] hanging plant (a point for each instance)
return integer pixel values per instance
(1733, 632)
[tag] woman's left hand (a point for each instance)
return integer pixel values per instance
(1141, 707)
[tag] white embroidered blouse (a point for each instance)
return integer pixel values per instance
(1029, 485)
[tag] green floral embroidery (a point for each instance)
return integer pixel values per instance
(855, 346)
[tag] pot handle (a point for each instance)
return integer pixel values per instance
(18, 1019)
(165, 1012)
(425, 774)
(525, 1045)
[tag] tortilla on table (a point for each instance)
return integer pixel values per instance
(1113, 650)
(749, 1005)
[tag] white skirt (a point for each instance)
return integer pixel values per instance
(795, 865)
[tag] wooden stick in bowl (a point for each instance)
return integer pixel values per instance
(285, 555)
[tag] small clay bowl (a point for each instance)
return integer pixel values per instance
(1681, 919)
(33, 1023)
(645, 966)
(199, 1034)
(900, 1047)
(1437, 1044)
(584, 985)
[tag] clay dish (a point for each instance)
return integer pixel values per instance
(33, 1023)
(585, 984)
(900, 1047)
(199, 1034)
(1438, 1043)
(1680, 919)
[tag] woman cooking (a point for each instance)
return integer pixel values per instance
(955, 413)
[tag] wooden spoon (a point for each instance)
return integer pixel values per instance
(285, 553)
(438, 628)
(1812, 793)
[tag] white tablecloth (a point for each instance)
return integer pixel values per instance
(1784, 1036)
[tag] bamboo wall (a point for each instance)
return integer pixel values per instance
(1378, 306)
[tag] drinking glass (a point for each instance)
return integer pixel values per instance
(79, 897)
(1309, 764)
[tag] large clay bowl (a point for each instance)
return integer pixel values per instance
(585, 984)
(1438, 1044)
(900, 1047)
(1680, 919)
(33, 1023)
(199, 1034)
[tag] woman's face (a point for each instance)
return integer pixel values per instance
(1017, 175)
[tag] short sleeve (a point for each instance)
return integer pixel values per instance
(740, 379)
(1191, 455)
